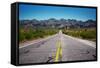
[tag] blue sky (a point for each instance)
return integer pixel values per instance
(29, 12)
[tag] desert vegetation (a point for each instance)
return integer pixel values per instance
(84, 33)
(32, 34)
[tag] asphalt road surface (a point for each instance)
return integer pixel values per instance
(57, 48)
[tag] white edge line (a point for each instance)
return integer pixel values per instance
(87, 42)
(37, 42)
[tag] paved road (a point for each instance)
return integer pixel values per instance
(57, 48)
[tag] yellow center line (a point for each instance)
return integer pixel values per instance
(59, 51)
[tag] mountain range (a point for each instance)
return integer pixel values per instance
(54, 23)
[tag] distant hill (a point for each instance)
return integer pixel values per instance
(54, 23)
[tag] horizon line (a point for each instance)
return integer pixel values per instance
(56, 19)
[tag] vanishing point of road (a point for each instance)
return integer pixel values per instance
(57, 48)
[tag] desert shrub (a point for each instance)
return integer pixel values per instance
(88, 34)
(81, 33)
(30, 33)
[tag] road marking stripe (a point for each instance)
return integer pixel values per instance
(61, 52)
(58, 52)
